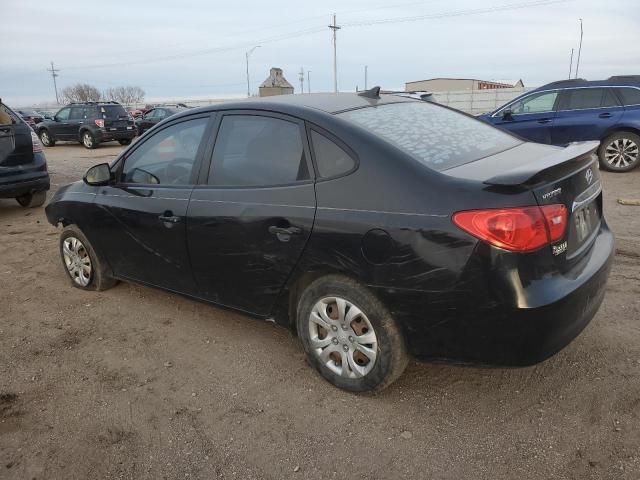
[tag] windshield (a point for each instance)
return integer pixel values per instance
(438, 137)
(113, 111)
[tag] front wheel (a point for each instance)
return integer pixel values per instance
(620, 152)
(46, 139)
(88, 140)
(32, 200)
(85, 268)
(125, 141)
(349, 336)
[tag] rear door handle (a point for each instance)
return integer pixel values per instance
(284, 234)
(169, 218)
(605, 115)
(544, 120)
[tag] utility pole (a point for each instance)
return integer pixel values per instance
(570, 64)
(246, 54)
(308, 81)
(301, 78)
(366, 67)
(579, 50)
(335, 28)
(54, 74)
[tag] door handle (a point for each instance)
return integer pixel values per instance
(605, 115)
(544, 120)
(284, 234)
(168, 217)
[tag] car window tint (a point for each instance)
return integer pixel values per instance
(630, 96)
(537, 103)
(582, 98)
(113, 111)
(257, 151)
(63, 114)
(331, 160)
(167, 157)
(609, 98)
(7, 117)
(77, 113)
(436, 136)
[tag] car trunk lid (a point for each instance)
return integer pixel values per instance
(567, 176)
(116, 118)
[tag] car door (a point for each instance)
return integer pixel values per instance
(532, 116)
(76, 119)
(60, 126)
(250, 221)
(141, 225)
(148, 120)
(585, 114)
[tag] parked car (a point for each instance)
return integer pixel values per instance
(135, 112)
(150, 118)
(578, 110)
(90, 123)
(23, 166)
(374, 226)
(30, 117)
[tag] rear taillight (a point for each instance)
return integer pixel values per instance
(519, 229)
(35, 142)
(99, 122)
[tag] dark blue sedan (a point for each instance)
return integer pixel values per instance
(577, 110)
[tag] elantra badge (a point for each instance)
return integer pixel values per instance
(588, 175)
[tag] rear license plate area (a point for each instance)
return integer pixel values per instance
(585, 220)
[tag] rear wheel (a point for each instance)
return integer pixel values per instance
(88, 140)
(349, 336)
(124, 141)
(85, 268)
(32, 200)
(46, 139)
(620, 152)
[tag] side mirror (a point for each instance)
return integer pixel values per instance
(98, 175)
(507, 114)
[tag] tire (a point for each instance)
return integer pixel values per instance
(75, 248)
(32, 200)
(370, 321)
(125, 141)
(46, 139)
(88, 140)
(620, 152)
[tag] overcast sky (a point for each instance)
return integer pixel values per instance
(196, 48)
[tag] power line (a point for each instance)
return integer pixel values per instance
(54, 74)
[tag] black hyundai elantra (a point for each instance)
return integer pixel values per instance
(376, 227)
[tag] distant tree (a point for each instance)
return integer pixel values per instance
(127, 95)
(81, 92)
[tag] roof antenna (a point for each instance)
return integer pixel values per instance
(371, 93)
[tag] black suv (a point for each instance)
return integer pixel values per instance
(89, 123)
(23, 166)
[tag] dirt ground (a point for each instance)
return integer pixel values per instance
(136, 383)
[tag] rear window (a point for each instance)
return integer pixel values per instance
(113, 111)
(436, 136)
(7, 116)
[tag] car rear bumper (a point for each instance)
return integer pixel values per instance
(20, 180)
(469, 330)
(107, 136)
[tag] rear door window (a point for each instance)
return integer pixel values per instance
(629, 95)
(77, 113)
(331, 159)
(438, 137)
(257, 151)
(583, 98)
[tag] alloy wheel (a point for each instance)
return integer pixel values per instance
(87, 139)
(44, 138)
(621, 153)
(342, 337)
(77, 260)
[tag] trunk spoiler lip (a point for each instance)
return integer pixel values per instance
(526, 174)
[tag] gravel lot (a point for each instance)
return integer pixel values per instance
(137, 383)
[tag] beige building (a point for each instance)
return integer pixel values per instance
(459, 84)
(275, 84)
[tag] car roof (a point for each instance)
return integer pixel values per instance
(326, 102)
(618, 80)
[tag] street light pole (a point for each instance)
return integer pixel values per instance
(579, 50)
(246, 54)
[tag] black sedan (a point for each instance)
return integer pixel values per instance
(154, 116)
(374, 227)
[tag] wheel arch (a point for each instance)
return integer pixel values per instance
(620, 128)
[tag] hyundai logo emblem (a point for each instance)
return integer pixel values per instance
(588, 175)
